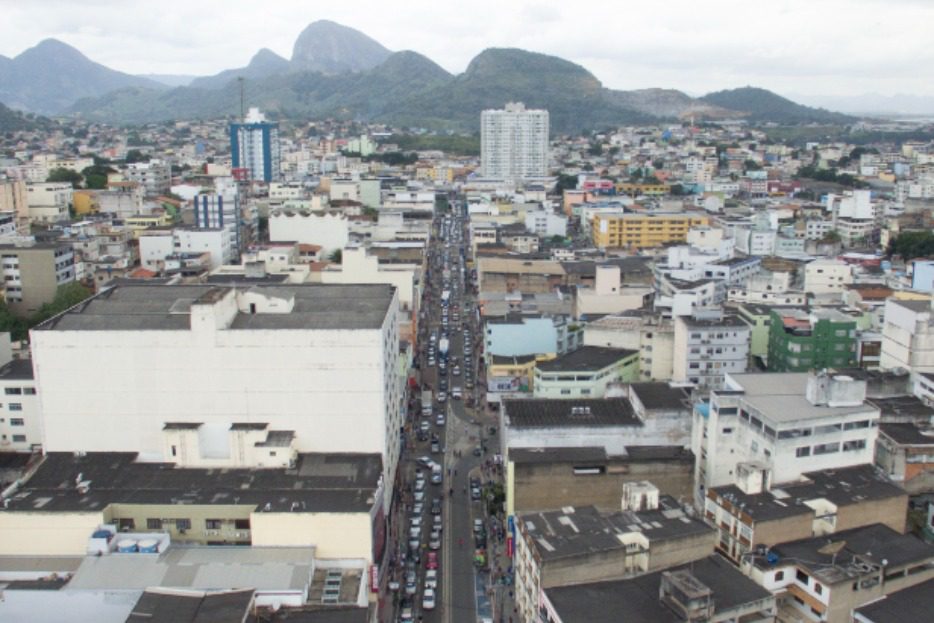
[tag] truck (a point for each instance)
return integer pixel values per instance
(443, 346)
(427, 402)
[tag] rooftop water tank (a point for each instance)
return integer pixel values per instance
(148, 546)
(127, 546)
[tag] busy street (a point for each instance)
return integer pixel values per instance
(449, 548)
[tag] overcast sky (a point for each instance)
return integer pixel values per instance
(821, 47)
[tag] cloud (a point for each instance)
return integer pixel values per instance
(831, 47)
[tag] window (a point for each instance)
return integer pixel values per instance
(212, 524)
(779, 576)
(16, 406)
(242, 524)
(17, 421)
(19, 438)
(818, 588)
(826, 448)
(727, 430)
(802, 577)
(803, 451)
(12, 391)
(29, 391)
(856, 425)
(565, 392)
(855, 444)
(153, 524)
(182, 524)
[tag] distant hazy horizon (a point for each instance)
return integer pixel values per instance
(834, 48)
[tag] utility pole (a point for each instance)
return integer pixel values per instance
(240, 80)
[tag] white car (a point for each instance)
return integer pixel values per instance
(456, 392)
(428, 599)
(431, 578)
(419, 496)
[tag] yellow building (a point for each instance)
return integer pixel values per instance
(141, 223)
(85, 202)
(643, 230)
(517, 369)
(647, 190)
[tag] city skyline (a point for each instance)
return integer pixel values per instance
(726, 46)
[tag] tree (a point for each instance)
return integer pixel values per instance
(566, 182)
(135, 155)
(10, 323)
(65, 175)
(67, 296)
(96, 176)
(336, 256)
(912, 244)
(752, 165)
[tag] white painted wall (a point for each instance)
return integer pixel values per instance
(330, 231)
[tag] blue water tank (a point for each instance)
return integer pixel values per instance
(127, 546)
(772, 558)
(101, 534)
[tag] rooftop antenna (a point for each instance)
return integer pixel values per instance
(240, 80)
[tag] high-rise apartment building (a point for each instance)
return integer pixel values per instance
(254, 147)
(514, 142)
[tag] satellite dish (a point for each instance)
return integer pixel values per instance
(832, 549)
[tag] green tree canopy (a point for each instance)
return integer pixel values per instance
(912, 244)
(68, 295)
(65, 175)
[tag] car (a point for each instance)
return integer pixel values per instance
(431, 578)
(432, 562)
(406, 615)
(478, 451)
(437, 523)
(426, 461)
(477, 526)
(434, 543)
(456, 392)
(428, 599)
(425, 426)
(456, 370)
(415, 521)
(443, 384)
(442, 396)
(418, 509)
(431, 361)
(436, 506)
(435, 447)
(419, 485)
(479, 541)
(475, 493)
(468, 384)
(415, 532)
(419, 496)
(440, 419)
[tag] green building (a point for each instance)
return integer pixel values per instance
(758, 318)
(801, 340)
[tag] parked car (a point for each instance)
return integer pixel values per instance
(432, 562)
(475, 493)
(478, 526)
(434, 543)
(436, 506)
(431, 578)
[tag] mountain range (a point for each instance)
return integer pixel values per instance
(339, 72)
